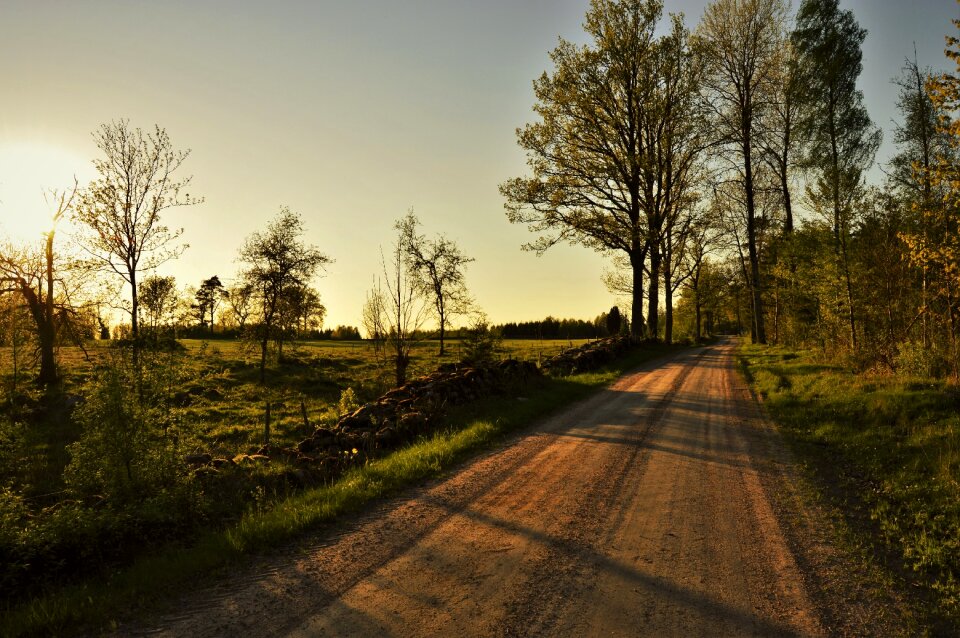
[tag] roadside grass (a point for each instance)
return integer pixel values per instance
(884, 451)
(151, 582)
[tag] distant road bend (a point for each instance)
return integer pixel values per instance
(642, 511)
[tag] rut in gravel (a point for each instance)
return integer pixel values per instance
(640, 511)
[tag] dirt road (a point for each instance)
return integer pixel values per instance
(645, 510)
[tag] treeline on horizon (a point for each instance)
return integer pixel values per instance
(547, 328)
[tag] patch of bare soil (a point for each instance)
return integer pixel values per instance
(662, 506)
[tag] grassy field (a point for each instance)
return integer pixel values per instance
(222, 404)
(885, 451)
(88, 555)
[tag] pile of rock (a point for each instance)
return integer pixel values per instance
(589, 356)
(398, 416)
(405, 412)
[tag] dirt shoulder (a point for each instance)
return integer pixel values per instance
(662, 505)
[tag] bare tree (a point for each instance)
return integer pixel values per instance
(121, 210)
(277, 260)
(34, 276)
(395, 311)
(437, 266)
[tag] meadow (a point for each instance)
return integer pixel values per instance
(221, 406)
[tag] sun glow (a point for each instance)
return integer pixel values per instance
(28, 171)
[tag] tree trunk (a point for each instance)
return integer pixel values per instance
(787, 205)
(402, 361)
(47, 329)
(636, 308)
(697, 306)
(667, 301)
(263, 356)
(776, 310)
(134, 308)
(850, 313)
(653, 310)
(443, 321)
(757, 332)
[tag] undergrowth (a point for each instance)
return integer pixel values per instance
(887, 451)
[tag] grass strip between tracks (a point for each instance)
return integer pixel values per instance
(884, 451)
(146, 584)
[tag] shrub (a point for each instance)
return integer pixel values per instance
(127, 449)
(13, 519)
(348, 402)
(918, 360)
(481, 343)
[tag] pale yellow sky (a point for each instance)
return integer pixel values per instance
(350, 113)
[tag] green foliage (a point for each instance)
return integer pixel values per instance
(281, 517)
(613, 321)
(916, 360)
(886, 449)
(127, 447)
(14, 516)
(481, 343)
(348, 401)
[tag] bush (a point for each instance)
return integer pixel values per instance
(13, 519)
(127, 451)
(481, 344)
(348, 401)
(917, 360)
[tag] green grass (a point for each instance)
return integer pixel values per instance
(96, 604)
(886, 451)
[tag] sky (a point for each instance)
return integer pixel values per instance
(350, 113)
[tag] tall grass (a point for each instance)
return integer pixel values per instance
(892, 447)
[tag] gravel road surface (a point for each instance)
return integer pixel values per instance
(645, 510)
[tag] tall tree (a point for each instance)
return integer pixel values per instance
(239, 297)
(921, 142)
(276, 261)
(301, 310)
(121, 210)
(942, 215)
(674, 139)
(698, 243)
(740, 42)
(209, 295)
(779, 134)
(438, 268)
(841, 140)
(587, 152)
